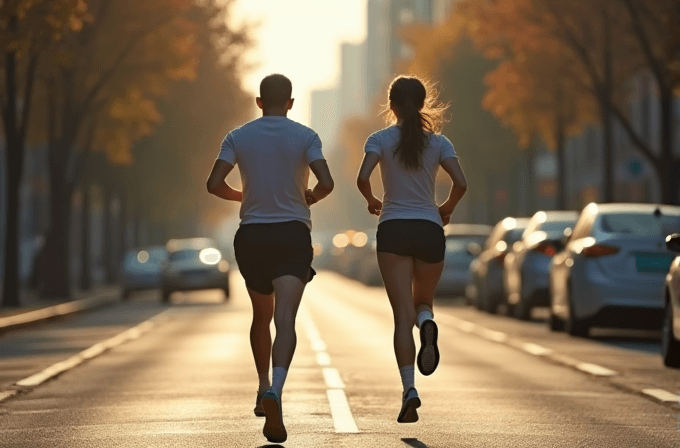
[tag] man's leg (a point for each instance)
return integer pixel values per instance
(260, 335)
(288, 290)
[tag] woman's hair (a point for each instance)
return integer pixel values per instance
(420, 113)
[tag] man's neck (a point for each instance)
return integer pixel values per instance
(275, 113)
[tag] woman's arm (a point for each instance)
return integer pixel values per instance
(369, 163)
(216, 182)
(458, 189)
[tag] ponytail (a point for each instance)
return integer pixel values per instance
(419, 116)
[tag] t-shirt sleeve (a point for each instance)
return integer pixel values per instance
(313, 151)
(446, 149)
(227, 149)
(373, 145)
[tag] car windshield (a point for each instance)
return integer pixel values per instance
(184, 254)
(556, 227)
(640, 224)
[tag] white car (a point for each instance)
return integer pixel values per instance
(194, 264)
(142, 269)
(613, 268)
(670, 336)
(463, 243)
(527, 265)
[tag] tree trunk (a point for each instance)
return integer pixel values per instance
(109, 251)
(85, 250)
(668, 176)
(10, 292)
(560, 155)
(607, 125)
(122, 231)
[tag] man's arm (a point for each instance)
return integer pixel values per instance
(217, 184)
(324, 184)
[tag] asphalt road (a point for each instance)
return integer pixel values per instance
(190, 381)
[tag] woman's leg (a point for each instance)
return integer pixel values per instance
(426, 278)
(397, 274)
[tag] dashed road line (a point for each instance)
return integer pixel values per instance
(343, 420)
(662, 395)
(596, 370)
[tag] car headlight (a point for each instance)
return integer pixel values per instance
(210, 256)
(223, 266)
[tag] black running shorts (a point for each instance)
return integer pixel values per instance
(268, 251)
(417, 238)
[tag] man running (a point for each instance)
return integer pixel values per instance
(273, 245)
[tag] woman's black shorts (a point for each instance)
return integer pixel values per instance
(268, 251)
(417, 238)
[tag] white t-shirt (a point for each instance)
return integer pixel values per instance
(409, 194)
(273, 154)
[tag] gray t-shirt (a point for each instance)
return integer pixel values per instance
(409, 194)
(273, 154)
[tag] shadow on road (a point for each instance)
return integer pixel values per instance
(415, 443)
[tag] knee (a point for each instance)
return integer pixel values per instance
(284, 320)
(406, 318)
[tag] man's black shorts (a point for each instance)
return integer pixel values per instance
(268, 251)
(417, 238)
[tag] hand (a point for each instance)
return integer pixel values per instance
(374, 206)
(310, 198)
(445, 213)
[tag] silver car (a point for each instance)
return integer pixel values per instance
(486, 291)
(527, 264)
(142, 269)
(463, 243)
(670, 336)
(613, 268)
(194, 264)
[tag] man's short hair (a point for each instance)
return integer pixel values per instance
(275, 90)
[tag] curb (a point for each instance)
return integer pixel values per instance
(656, 395)
(52, 312)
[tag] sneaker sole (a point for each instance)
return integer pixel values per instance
(409, 413)
(428, 355)
(274, 430)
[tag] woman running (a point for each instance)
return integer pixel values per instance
(410, 237)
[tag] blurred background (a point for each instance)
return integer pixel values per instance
(113, 113)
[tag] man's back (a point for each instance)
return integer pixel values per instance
(273, 154)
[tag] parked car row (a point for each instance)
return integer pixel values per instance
(181, 265)
(612, 265)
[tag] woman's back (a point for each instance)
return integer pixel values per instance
(409, 193)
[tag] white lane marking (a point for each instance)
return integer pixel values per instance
(662, 395)
(323, 359)
(492, 335)
(342, 414)
(535, 349)
(594, 369)
(7, 394)
(332, 378)
(89, 353)
(343, 420)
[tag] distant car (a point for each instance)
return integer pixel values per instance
(487, 290)
(527, 264)
(369, 271)
(613, 268)
(142, 269)
(194, 264)
(463, 243)
(670, 336)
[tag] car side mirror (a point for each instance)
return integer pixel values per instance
(673, 242)
(474, 249)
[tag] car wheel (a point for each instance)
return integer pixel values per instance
(491, 304)
(165, 296)
(125, 295)
(522, 310)
(574, 326)
(556, 324)
(670, 346)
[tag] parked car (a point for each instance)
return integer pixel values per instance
(487, 289)
(194, 264)
(463, 243)
(613, 268)
(141, 269)
(670, 336)
(369, 271)
(527, 264)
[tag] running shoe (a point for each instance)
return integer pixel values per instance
(409, 406)
(273, 429)
(428, 355)
(259, 410)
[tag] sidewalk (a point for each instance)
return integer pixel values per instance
(34, 309)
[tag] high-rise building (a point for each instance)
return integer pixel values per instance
(379, 66)
(326, 116)
(352, 80)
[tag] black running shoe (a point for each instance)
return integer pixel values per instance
(428, 355)
(410, 403)
(259, 410)
(273, 429)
